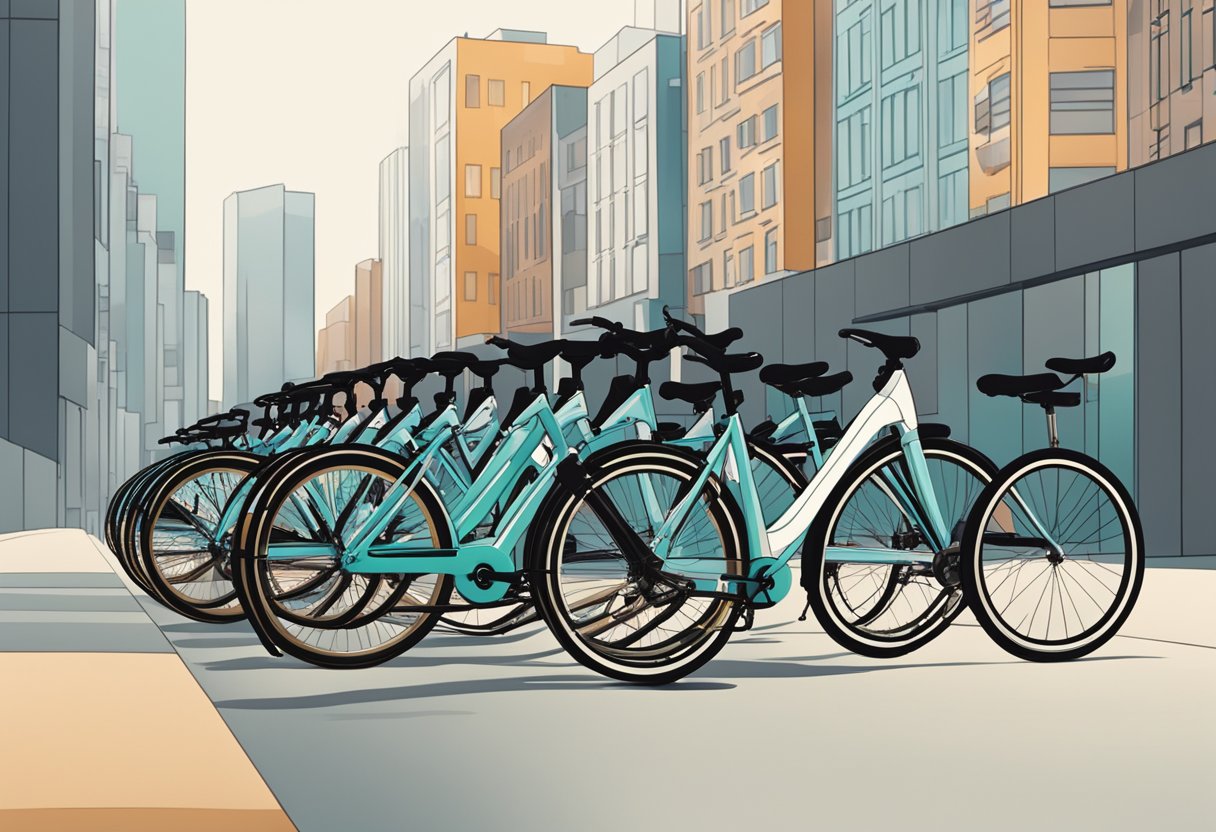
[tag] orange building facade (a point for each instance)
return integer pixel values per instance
(1049, 98)
(460, 101)
(759, 141)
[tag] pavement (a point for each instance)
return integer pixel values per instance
(783, 730)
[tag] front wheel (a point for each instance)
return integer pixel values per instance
(611, 614)
(886, 609)
(1053, 556)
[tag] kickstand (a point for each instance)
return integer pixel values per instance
(747, 619)
(805, 608)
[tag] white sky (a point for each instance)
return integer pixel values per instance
(313, 94)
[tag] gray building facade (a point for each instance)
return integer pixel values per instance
(269, 273)
(1125, 263)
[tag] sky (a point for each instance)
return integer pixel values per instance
(313, 94)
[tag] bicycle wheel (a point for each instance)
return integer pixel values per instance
(489, 621)
(130, 517)
(608, 613)
(185, 545)
(1053, 556)
(888, 610)
(311, 607)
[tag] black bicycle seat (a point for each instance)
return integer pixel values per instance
(1053, 398)
(824, 385)
(894, 347)
(775, 374)
(699, 395)
(1082, 366)
(996, 384)
(741, 362)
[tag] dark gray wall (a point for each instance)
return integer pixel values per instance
(960, 286)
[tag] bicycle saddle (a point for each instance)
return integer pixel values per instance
(775, 374)
(740, 362)
(1053, 398)
(894, 347)
(824, 385)
(700, 395)
(1082, 366)
(996, 384)
(529, 356)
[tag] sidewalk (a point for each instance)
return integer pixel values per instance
(103, 726)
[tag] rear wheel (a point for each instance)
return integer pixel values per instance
(185, 542)
(886, 610)
(311, 606)
(1053, 556)
(610, 614)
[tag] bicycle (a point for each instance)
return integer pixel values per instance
(1055, 537)
(607, 582)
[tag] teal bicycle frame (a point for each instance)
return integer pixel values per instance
(773, 547)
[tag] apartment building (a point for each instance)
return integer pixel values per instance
(459, 103)
(1049, 98)
(1171, 68)
(759, 141)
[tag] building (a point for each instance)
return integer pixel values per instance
(336, 340)
(1171, 72)
(1049, 98)
(1124, 263)
(544, 251)
(459, 102)
(394, 251)
(636, 188)
(901, 120)
(759, 141)
(48, 240)
(268, 290)
(195, 361)
(369, 313)
(352, 335)
(149, 103)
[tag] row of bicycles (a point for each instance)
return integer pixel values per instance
(346, 533)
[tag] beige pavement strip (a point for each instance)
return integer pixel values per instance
(144, 820)
(120, 737)
(50, 550)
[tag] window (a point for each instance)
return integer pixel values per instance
(619, 105)
(703, 278)
(724, 154)
(492, 289)
(750, 6)
(746, 133)
(770, 46)
(747, 194)
(472, 91)
(952, 109)
(705, 166)
(1060, 178)
(472, 180)
(704, 30)
(641, 98)
(728, 268)
(700, 92)
(725, 74)
(496, 182)
(1186, 63)
(726, 16)
(768, 126)
(470, 285)
(707, 220)
(525, 92)
(641, 150)
(496, 92)
(745, 61)
(441, 96)
(992, 106)
(770, 251)
(641, 208)
(442, 174)
(769, 181)
(470, 229)
(1194, 134)
(1083, 102)
(823, 229)
(990, 17)
(951, 26)
(1055, 4)
(747, 264)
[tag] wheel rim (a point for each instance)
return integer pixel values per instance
(610, 611)
(885, 604)
(1064, 598)
(313, 602)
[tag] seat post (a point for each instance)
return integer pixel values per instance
(1053, 433)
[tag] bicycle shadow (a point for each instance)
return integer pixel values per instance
(267, 662)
